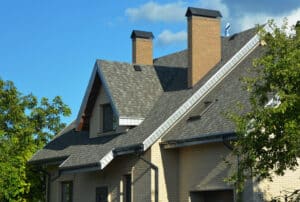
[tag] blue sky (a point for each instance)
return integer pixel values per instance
(48, 48)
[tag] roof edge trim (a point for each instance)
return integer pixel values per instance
(202, 91)
(106, 159)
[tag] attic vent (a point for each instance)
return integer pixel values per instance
(137, 68)
(194, 118)
(207, 105)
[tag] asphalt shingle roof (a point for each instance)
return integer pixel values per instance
(133, 92)
(154, 93)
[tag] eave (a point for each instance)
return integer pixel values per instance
(203, 139)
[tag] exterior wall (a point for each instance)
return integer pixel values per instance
(85, 183)
(96, 123)
(203, 168)
(142, 51)
(204, 46)
(266, 190)
(167, 164)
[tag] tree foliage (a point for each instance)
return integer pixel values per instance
(269, 135)
(26, 125)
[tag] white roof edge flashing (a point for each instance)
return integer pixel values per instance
(106, 159)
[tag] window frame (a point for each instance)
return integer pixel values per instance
(70, 191)
(105, 108)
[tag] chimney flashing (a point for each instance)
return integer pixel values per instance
(191, 11)
(141, 34)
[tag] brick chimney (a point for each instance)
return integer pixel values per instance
(142, 47)
(204, 42)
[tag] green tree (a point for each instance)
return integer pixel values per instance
(268, 140)
(26, 125)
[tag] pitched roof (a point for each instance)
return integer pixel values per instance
(170, 93)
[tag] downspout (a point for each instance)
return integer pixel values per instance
(155, 168)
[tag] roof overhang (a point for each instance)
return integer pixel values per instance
(203, 139)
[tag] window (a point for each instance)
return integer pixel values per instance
(127, 188)
(101, 194)
(67, 191)
(109, 120)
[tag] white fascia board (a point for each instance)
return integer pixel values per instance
(202, 92)
(127, 121)
(106, 159)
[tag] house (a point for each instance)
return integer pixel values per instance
(155, 130)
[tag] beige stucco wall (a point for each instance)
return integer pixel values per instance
(203, 168)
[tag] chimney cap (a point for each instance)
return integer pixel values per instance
(191, 11)
(141, 34)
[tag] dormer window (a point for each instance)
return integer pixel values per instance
(108, 120)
